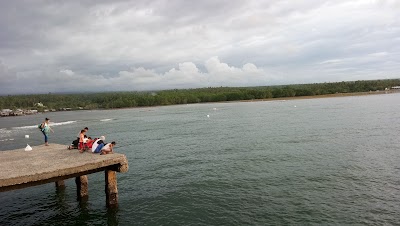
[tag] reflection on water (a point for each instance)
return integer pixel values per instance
(112, 216)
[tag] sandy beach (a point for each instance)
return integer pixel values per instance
(327, 95)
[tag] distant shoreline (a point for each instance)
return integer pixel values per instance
(252, 100)
(268, 99)
(326, 96)
(275, 99)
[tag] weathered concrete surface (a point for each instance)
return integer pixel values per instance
(44, 164)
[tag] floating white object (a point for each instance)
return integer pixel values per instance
(208, 116)
(27, 136)
(214, 109)
(28, 148)
(294, 105)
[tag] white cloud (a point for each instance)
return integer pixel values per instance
(67, 72)
(134, 44)
(186, 75)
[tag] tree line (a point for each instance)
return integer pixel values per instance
(186, 96)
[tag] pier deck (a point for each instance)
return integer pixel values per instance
(54, 163)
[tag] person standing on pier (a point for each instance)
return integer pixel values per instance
(86, 129)
(81, 146)
(45, 128)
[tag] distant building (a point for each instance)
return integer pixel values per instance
(396, 87)
(39, 104)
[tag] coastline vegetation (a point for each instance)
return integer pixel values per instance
(186, 96)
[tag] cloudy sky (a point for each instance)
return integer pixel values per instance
(99, 45)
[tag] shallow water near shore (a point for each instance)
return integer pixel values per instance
(331, 161)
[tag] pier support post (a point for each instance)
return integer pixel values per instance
(82, 187)
(111, 188)
(60, 185)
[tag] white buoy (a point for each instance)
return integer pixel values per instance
(28, 148)
(214, 109)
(208, 116)
(27, 136)
(294, 105)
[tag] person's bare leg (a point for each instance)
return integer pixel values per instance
(104, 152)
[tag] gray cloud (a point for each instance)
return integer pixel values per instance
(140, 45)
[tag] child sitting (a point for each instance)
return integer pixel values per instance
(74, 144)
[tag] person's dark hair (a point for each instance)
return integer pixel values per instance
(113, 143)
(46, 119)
(82, 131)
(86, 128)
(89, 138)
(85, 136)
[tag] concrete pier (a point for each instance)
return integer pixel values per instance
(55, 163)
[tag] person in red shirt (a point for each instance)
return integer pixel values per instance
(89, 142)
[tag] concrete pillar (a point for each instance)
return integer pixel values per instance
(111, 188)
(60, 184)
(82, 187)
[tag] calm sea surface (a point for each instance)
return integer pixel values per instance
(333, 161)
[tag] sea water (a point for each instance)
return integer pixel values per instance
(331, 161)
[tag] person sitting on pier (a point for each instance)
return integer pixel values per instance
(74, 144)
(97, 142)
(108, 148)
(89, 142)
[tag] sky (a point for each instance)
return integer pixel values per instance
(99, 45)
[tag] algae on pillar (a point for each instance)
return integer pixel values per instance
(82, 187)
(111, 188)
(60, 184)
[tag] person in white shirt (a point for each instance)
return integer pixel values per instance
(97, 143)
(108, 148)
